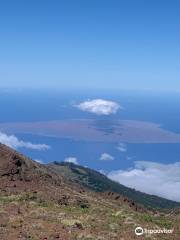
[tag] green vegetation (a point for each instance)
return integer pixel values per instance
(161, 221)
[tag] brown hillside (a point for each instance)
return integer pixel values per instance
(38, 203)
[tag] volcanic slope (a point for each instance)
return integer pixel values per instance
(38, 202)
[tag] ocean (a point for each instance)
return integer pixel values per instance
(54, 105)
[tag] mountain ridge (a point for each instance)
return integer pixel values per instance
(97, 181)
(15, 167)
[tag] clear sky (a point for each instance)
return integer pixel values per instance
(133, 44)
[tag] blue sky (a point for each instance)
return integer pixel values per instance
(90, 44)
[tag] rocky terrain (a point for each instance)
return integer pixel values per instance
(69, 202)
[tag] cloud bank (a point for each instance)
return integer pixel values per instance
(13, 142)
(153, 178)
(99, 106)
(106, 157)
(71, 160)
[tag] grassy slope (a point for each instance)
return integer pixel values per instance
(24, 217)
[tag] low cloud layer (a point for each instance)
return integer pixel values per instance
(99, 107)
(153, 178)
(106, 157)
(122, 147)
(71, 160)
(13, 142)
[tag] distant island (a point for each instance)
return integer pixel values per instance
(128, 131)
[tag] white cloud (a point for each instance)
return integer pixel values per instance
(71, 160)
(39, 161)
(99, 106)
(102, 171)
(106, 157)
(13, 142)
(122, 147)
(151, 177)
